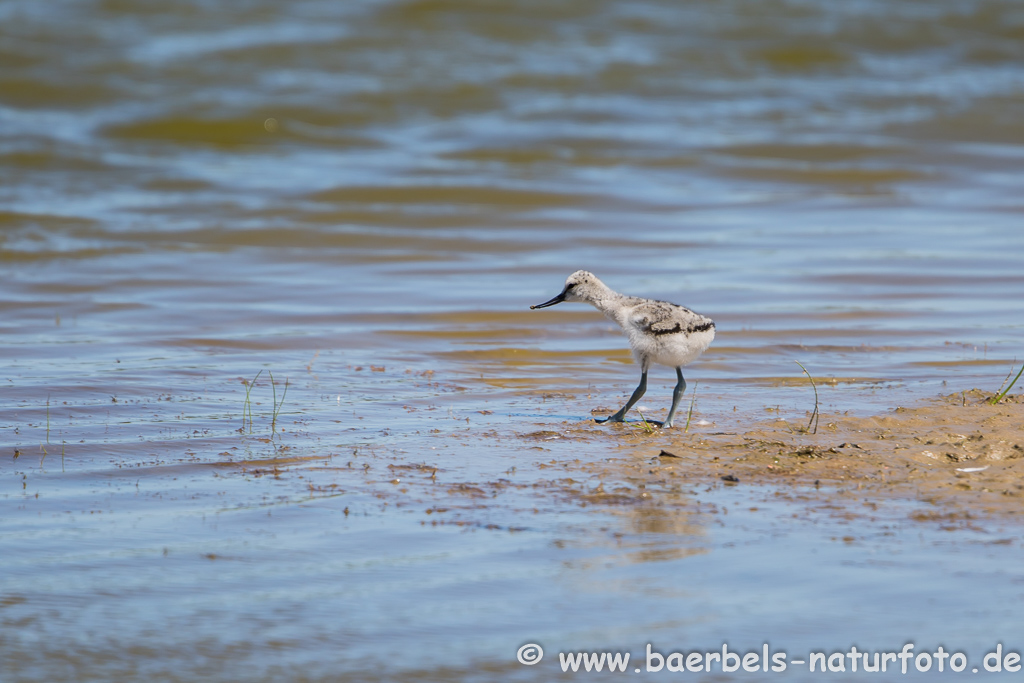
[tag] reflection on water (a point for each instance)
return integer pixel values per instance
(364, 197)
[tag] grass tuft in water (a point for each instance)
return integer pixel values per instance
(1000, 396)
(815, 415)
(277, 406)
(247, 406)
(647, 425)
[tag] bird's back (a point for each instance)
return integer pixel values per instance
(664, 333)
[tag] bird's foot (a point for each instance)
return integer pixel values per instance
(611, 418)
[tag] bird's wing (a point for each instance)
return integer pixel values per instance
(655, 318)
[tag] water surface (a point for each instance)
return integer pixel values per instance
(364, 198)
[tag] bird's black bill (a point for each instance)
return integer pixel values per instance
(551, 302)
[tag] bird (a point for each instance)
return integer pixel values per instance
(659, 332)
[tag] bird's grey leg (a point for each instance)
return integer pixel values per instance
(637, 393)
(677, 394)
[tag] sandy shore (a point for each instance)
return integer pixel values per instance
(959, 455)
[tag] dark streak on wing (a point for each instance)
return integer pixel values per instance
(658, 332)
(702, 327)
(690, 329)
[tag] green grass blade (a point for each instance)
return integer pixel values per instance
(815, 414)
(247, 406)
(689, 413)
(996, 399)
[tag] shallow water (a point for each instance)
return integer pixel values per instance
(364, 198)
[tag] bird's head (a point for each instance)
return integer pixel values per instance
(580, 286)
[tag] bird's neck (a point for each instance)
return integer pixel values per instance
(607, 301)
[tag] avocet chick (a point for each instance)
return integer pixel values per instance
(658, 332)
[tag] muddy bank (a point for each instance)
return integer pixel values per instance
(960, 455)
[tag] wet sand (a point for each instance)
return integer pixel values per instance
(328, 533)
(957, 459)
(960, 455)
